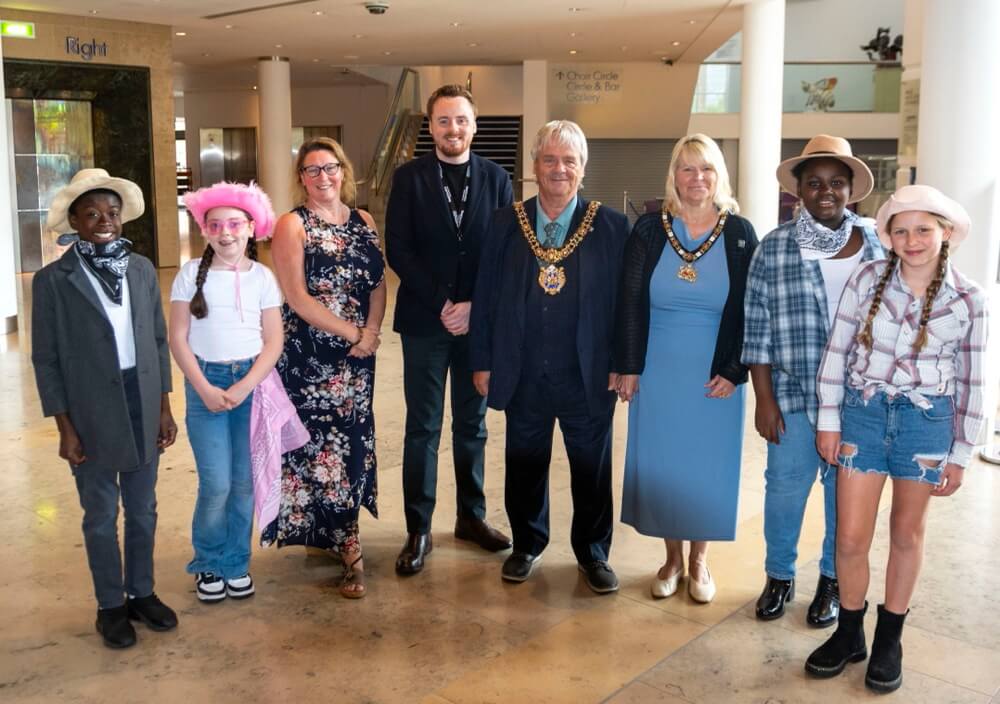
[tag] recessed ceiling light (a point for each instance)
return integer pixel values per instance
(351, 57)
(386, 53)
(573, 34)
(456, 24)
(317, 12)
(359, 36)
(473, 44)
(675, 43)
(229, 26)
(576, 9)
(279, 46)
(180, 34)
(692, 21)
(254, 87)
(315, 61)
(206, 55)
(572, 51)
(93, 12)
(624, 48)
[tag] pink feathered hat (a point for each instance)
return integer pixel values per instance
(250, 199)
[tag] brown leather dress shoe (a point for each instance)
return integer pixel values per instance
(481, 533)
(411, 557)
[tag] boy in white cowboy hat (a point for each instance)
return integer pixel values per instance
(794, 284)
(102, 366)
(909, 408)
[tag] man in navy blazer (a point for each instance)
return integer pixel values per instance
(541, 343)
(439, 209)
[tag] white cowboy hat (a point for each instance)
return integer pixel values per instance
(85, 180)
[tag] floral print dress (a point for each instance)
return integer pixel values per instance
(325, 483)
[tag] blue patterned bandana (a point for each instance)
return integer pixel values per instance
(817, 241)
(108, 261)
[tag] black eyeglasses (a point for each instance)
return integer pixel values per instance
(331, 169)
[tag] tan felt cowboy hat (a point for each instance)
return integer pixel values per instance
(85, 180)
(823, 145)
(929, 200)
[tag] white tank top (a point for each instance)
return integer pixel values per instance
(836, 272)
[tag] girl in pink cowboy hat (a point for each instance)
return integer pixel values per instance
(900, 393)
(226, 335)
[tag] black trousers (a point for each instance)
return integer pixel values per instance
(426, 365)
(539, 401)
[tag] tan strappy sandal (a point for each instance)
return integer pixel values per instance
(352, 586)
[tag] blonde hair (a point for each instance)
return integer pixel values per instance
(348, 188)
(864, 337)
(695, 148)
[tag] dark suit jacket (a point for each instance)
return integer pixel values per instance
(421, 244)
(76, 360)
(508, 269)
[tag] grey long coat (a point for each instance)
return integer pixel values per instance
(76, 360)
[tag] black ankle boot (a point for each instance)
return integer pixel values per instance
(114, 627)
(847, 644)
(885, 669)
(771, 602)
(826, 604)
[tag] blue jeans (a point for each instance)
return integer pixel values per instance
(223, 513)
(892, 436)
(789, 477)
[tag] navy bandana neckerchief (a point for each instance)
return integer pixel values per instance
(108, 261)
(817, 241)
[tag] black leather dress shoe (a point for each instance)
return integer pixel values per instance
(411, 557)
(771, 603)
(518, 566)
(600, 577)
(481, 533)
(153, 612)
(114, 627)
(825, 605)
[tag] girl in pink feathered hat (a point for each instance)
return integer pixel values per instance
(226, 335)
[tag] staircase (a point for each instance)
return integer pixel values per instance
(497, 138)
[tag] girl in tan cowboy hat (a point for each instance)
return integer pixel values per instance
(900, 390)
(794, 283)
(99, 348)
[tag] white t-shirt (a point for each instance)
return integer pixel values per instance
(836, 272)
(120, 317)
(222, 336)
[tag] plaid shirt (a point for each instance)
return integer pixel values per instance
(787, 321)
(950, 364)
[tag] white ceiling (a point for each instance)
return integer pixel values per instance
(322, 37)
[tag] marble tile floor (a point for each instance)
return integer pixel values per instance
(456, 633)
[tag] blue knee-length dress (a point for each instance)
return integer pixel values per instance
(682, 462)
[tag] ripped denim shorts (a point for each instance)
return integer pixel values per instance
(890, 435)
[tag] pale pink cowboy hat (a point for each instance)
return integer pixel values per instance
(823, 145)
(929, 200)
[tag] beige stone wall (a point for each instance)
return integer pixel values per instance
(129, 44)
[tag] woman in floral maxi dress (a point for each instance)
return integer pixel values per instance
(331, 270)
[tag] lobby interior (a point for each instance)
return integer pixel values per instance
(456, 633)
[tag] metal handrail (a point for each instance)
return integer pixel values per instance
(389, 127)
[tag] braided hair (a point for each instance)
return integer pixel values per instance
(198, 305)
(864, 337)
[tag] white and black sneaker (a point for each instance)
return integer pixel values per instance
(240, 587)
(210, 587)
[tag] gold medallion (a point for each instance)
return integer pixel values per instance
(552, 279)
(687, 273)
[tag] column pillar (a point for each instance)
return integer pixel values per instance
(958, 148)
(535, 112)
(8, 222)
(760, 110)
(274, 160)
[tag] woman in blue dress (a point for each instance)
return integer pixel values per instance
(330, 267)
(677, 351)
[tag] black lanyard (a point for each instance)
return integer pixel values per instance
(457, 213)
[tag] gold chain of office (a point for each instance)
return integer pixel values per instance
(687, 272)
(552, 278)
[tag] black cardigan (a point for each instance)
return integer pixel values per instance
(642, 253)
